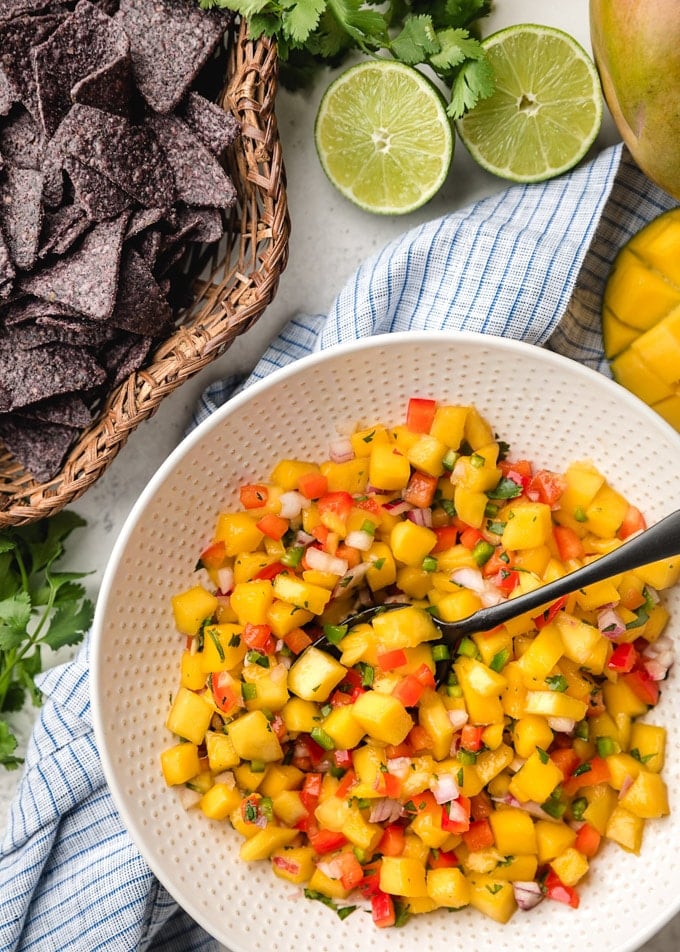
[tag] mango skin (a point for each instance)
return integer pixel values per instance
(636, 48)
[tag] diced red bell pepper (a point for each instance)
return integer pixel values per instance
(455, 815)
(259, 637)
(409, 690)
(447, 537)
(643, 686)
(347, 781)
(540, 621)
(569, 545)
(311, 791)
(313, 485)
(268, 572)
(425, 675)
(420, 414)
(343, 758)
(633, 521)
(566, 759)
(442, 859)
(286, 864)
(471, 737)
(420, 490)
(588, 840)
(506, 580)
(350, 869)
(546, 486)
(393, 840)
(388, 660)
(273, 526)
(213, 556)
(370, 884)
(334, 509)
(479, 836)
(224, 694)
(388, 785)
(470, 536)
(419, 740)
(253, 495)
(623, 658)
(555, 889)
(382, 910)
(519, 471)
(598, 772)
(326, 841)
(297, 640)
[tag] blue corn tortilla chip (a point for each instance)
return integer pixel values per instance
(42, 372)
(68, 409)
(199, 177)
(85, 43)
(62, 227)
(141, 307)
(38, 446)
(21, 139)
(214, 126)
(124, 356)
(86, 279)
(7, 272)
(125, 152)
(97, 195)
(171, 41)
(21, 214)
(17, 37)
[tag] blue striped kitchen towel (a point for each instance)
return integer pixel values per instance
(528, 263)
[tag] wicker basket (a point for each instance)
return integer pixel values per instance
(237, 280)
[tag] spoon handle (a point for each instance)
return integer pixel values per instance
(661, 541)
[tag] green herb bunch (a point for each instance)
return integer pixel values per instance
(438, 34)
(39, 607)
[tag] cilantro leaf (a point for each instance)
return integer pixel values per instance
(473, 81)
(299, 19)
(416, 41)
(38, 607)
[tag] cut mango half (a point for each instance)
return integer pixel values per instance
(641, 316)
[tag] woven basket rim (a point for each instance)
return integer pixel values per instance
(232, 285)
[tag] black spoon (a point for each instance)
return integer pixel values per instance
(660, 541)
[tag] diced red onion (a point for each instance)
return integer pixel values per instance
(445, 788)
(652, 595)
(529, 806)
(458, 718)
(292, 504)
(385, 810)
(341, 450)
(188, 798)
(490, 595)
(655, 670)
(516, 763)
(303, 538)
(610, 623)
(399, 766)
(396, 507)
(359, 539)
(330, 868)
(626, 784)
(470, 578)
(325, 562)
(420, 517)
(562, 725)
(527, 894)
(226, 777)
(225, 579)
(351, 578)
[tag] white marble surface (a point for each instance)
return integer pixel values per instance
(330, 238)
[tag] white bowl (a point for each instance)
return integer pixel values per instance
(549, 409)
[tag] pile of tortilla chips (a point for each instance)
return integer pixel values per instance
(110, 165)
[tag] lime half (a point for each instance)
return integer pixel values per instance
(383, 137)
(546, 109)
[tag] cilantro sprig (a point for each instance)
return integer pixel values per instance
(39, 608)
(436, 34)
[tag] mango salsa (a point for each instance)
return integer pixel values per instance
(357, 769)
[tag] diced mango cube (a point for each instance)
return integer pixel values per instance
(254, 739)
(388, 468)
(180, 763)
(493, 897)
(314, 674)
(527, 525)
(221, 751)
(402, 876)
(295, 591)
(513, 831)
(536, 779)
(570, 866)
(219, 801)
(410, 543)
(189, 716)
(382, 716)
(265, 842)
(343, 728)
(647, 796)
(626, 829)
(223, 647)
(404, 628)
(191, 608)
(448, 887)
(238, 532)
(552, 839)
(251, 601)
(295, 864)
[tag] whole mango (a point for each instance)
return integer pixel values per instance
(641, 316)
(636, 47)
